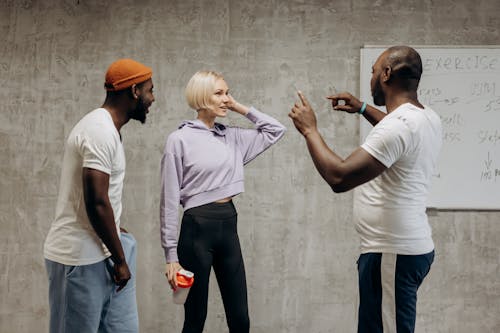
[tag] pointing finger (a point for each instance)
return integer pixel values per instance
(334, 99)
(345, 96)
(303, 98)
(342, 108)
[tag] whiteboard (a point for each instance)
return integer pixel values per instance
(462, 84)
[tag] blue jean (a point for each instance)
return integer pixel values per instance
(84, 298)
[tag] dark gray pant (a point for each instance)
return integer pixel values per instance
(209, 239)
(388, 285)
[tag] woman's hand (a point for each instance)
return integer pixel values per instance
(233, 105)
(171, 273)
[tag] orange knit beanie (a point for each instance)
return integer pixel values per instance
(124, 73)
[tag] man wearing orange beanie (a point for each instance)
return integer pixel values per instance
(90, 260)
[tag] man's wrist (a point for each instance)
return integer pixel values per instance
(119, 260)
(363, 108)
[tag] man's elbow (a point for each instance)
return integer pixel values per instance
(94, 198)
(339, 185)
(339, 188)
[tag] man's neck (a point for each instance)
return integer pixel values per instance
(393, 101)
(118, 115)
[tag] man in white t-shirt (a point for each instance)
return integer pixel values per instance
(392, 171)
(90, 260)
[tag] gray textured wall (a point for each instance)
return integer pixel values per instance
(299, 243)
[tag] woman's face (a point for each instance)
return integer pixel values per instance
(220, 98)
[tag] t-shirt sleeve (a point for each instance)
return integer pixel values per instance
(388, 141)
(97, 149)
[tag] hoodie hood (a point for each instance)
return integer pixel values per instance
(218, 128)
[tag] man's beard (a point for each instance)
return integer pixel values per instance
(378, 94)
(139, 113)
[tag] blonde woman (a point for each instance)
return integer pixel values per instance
(202, 169)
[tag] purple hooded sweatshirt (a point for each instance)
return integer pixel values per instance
(202, 165)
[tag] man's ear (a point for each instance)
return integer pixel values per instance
(134, 90)
(386, 74)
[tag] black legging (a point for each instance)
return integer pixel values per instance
(209, 238)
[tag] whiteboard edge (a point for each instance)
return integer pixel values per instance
(462, 209)
(372, 46)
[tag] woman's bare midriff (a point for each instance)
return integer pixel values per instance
(224, 200)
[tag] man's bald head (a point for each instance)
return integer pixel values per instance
(405, 64)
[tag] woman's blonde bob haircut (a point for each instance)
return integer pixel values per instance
(200, 89)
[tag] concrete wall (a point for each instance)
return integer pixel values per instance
(299, 244)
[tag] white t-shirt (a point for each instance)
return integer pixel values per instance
(93, 143)
(389, 211)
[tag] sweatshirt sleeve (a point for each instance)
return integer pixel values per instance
(171, 180)
(267, 132)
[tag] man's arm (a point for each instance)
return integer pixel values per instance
(100, 214)
(342, 175)
(373, 115)
(353, 105)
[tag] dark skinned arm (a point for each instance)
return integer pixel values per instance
(100, 213)
(353, 105)
(341, 174)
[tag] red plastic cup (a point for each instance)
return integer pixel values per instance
(185, 280)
